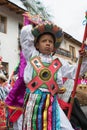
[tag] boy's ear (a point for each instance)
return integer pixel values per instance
(37, 46)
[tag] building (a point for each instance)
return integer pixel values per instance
(69, 49)
(11, 21)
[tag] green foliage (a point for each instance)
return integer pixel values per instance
(36, 7)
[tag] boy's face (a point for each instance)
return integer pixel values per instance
(1, 81)
(45, 44)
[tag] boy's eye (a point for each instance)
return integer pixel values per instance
(51, 41)
(44, 40)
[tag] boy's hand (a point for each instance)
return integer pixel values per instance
(83, 53)
(61, 90)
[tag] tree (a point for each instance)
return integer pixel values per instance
(36, 7)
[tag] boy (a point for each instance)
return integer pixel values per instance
(43, 77)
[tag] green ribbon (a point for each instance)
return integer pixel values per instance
(34, 117)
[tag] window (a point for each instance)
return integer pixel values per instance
(72, 51)
(19, 29)
(3, 22)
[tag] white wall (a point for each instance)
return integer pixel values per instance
(9, 41)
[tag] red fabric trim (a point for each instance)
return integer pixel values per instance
(64, 105)
(14, 115)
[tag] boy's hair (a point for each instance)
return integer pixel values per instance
(37, 40)
(48, 28)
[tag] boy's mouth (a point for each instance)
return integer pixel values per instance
(47, 48)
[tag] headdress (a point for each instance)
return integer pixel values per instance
(48, 27)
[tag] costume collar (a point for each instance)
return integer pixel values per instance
(46, 58)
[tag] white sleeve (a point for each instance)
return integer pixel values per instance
(69, 70)
(27, 41)
(59, 78)
(83, 66)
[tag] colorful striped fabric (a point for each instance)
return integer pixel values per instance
(41, 112)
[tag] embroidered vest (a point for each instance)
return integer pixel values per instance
(45, 75)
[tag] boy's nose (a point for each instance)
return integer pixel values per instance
(48, 43)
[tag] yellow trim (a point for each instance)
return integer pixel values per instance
(45, 112)
(11, 107)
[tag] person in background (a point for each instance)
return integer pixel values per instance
(15, 98)
(4, 86)
(4, 91)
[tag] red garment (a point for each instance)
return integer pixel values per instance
(64, 105)
(2, 116)
(14, 114)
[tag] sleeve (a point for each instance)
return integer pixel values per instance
(69, 71)
(16, 95)
(27, 41)
(83, 66)
(21, 65)
(59, 78)
(2, 93)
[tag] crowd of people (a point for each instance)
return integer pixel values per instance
(32, 101)
(5, 88)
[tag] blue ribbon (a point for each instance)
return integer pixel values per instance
(84, 22)
(54, 114)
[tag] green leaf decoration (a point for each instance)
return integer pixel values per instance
(48, 27)
(36, 32)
